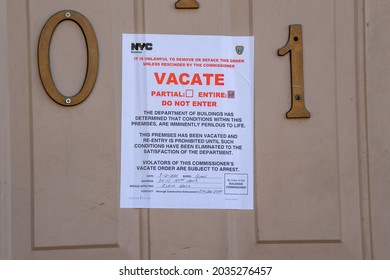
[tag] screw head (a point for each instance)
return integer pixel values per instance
(68, 14)
(297, 97)
(68, 100)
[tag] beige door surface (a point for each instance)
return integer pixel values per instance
(60, 165)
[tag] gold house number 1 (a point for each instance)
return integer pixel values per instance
(294, 47)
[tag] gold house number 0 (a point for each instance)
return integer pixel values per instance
(44, 57)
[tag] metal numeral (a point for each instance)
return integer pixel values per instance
(44, 59)
(294, 47)
(187, 4)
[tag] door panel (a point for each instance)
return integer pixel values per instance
(192, 234)
(378, 71)
(68, 207)
(64, 161)
(74, 148)
(305, 167)
(298, 182)
(5, 157)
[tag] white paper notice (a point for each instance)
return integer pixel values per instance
(187, 122)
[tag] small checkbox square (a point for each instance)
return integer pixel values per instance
(189, 93)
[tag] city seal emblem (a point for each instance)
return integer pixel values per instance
(239, 50)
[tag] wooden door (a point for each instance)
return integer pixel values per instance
(307, 202)
(63, 162)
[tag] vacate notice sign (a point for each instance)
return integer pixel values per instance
(187, 122)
